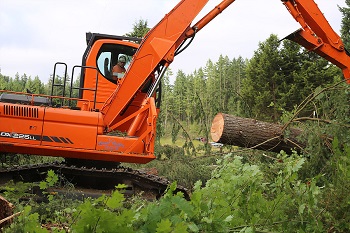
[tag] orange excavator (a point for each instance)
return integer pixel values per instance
(114, 117)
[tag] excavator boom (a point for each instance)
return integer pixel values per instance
(156, 51)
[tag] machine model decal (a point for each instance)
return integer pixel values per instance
(20, 136)
(35, 137)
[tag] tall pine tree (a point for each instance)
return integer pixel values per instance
(345, 24)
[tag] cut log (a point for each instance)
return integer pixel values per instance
(251, 133)
(6, 210)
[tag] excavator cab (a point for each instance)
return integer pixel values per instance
(101, 54)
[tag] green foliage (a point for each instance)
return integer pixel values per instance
(260, 88)
(10, 159)
(177, 166)
(327, 132)
(171, 214)
(50, 181)
(329, 121)
(140, 29)
(105, 214)
(329, 153)
(281, 76)
(22, 83)
(239, 197)
(345, 25)
(336, 198)
(27, 222)
(14, 191)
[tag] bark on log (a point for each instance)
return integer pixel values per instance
(6, 210)
(246, 132)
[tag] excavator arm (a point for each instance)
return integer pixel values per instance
(159, 47)
(317, 35)
(156, 53)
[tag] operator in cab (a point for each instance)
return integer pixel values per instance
(119, 69)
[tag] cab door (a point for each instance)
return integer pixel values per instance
(103, 56)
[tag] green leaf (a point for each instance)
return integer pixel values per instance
(121, 186)
(164, 226)
(180, 228)
(299, 163)
(43, 185)
(193, 227)
(301, 208)
(51, 178)
(207, 220)
(318, 93)
(247, 230)
(228, 218)
(115, 200)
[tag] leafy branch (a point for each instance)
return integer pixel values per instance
(307, 101)
(186, 134)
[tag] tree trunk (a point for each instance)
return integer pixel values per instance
(251, 133)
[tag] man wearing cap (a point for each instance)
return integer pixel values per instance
(119, 69)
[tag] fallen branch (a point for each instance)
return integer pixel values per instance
(9, 218)
(319, 120)
(308, 100)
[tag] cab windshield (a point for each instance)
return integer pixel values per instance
(108, 57)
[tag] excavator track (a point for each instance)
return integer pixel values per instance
(92, 182)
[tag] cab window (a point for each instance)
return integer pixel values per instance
(108, 57)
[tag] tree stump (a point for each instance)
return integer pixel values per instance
(6, 210)
(251, 133)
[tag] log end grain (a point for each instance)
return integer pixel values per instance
(217, 127)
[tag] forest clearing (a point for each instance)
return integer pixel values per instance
(238, 145)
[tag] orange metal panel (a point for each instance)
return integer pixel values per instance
(70, 128)
(133, 107)
(21, 123)
(118, 144)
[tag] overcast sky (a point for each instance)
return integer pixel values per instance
(35, 34)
